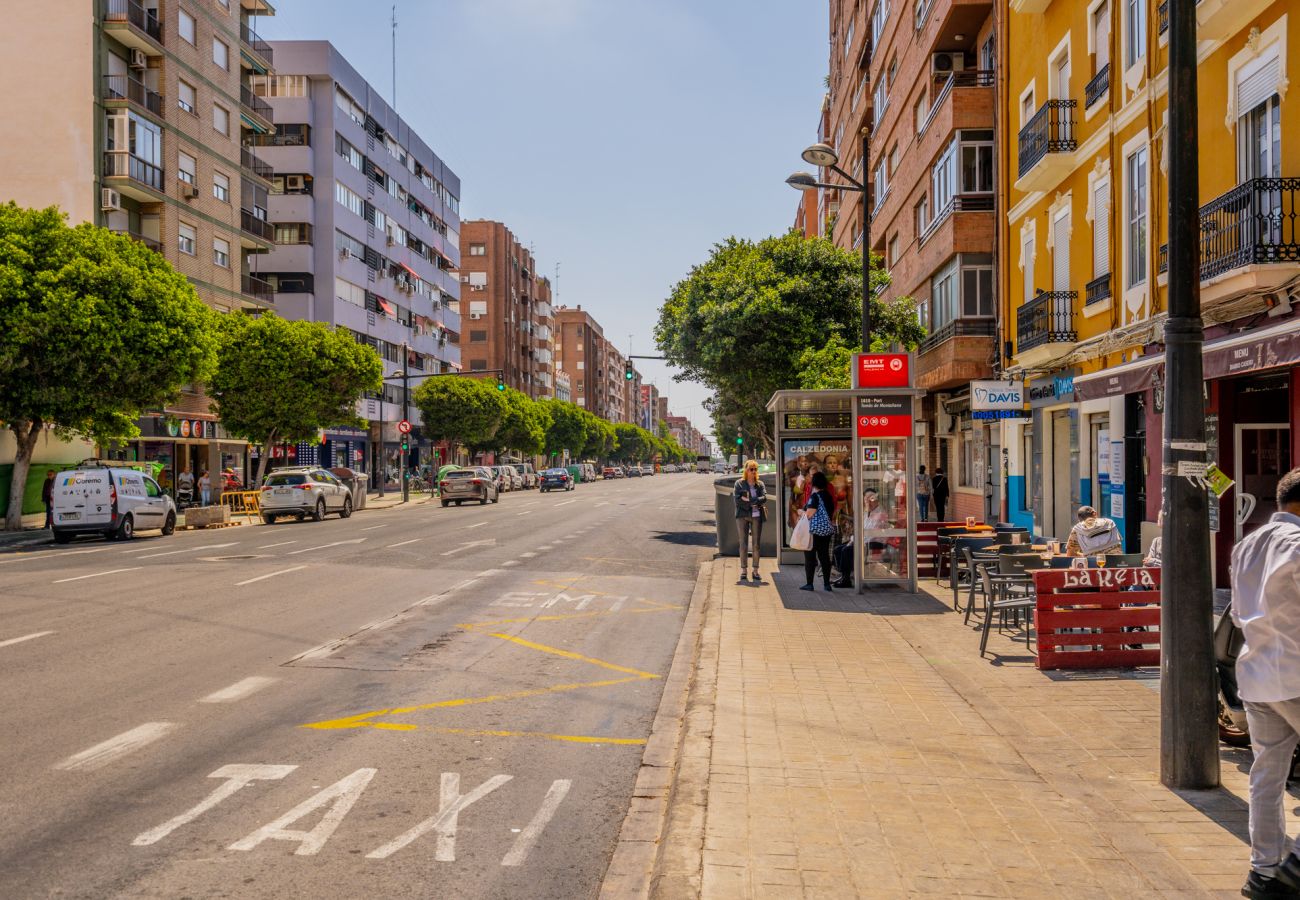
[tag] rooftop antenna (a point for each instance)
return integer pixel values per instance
(394, 57)
(555, 288)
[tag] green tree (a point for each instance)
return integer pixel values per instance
(633, 442)
(568, 430)
(460, 410)
(283, 381)
(741, 321)
(524, 425)
(94, 330)
(602, 441)
(827, 367)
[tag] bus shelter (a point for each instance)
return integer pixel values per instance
(863, 440)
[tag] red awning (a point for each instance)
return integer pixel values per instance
(387, 307)
(408, 269)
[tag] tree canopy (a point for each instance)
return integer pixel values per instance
(283, 381)
(95, 329)
(742, 321)
(523, 426)
(460, 410)
(568, 430)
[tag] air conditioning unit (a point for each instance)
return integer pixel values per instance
(476, 316)
(944, 64)
(138, 59)
(189, 191)
(110, 200)
(295, 183)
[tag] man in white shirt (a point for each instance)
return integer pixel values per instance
(1266, 606)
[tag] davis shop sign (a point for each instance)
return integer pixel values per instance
(997, 400)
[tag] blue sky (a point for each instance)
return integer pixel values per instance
(621, 138)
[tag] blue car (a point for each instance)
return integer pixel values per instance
(556, 480)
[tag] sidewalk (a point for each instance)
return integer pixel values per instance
(842, 746)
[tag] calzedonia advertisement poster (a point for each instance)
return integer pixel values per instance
(800, 459)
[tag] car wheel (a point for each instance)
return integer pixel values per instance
(62, 537)
(444, 503)
(496, 499)
(320, 510)
(482, 501)
(169, 526)
(268, 520)
(460, 502)
(346, 511)
(126, 530)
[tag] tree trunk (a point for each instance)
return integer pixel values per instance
(26, 435)
(262, 459)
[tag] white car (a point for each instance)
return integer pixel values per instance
(110, 501)
(302, 491)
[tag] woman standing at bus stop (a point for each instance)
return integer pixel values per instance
(820, 510)
(751, 511)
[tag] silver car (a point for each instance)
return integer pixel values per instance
(461, 485)
(527, 473)
(302, 491)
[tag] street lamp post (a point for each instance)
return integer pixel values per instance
(824, 156)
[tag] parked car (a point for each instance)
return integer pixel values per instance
(528, 474)
(479, 483)
(556, 480)
(608, 472)
(505, 478)
(302, 491)
(633, 471)
(648, 470)
(113, 502)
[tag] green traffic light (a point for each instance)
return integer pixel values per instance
(501, 385)
(740, 442)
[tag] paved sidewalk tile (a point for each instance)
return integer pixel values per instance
(861, 747)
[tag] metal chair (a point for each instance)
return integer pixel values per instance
(959, 547)
(943, 548)
(1123, 560)
(999, 599)
(1061, 562)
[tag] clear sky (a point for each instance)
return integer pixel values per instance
(621, 138)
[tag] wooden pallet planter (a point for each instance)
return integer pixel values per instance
(1103, 602)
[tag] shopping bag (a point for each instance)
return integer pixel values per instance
(801, 539)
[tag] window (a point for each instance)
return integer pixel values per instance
(185, 26)
(922, 215)
(1259, 139)
(880, 100)
(185, 96)
(976, 285)
(943, 297)
(349, 199)
(1135, 214)
(1135, 27)
(943, 179)
(292, 233)
(348, 152)
(1028, 251)
(969, 465)
(185, 167)
(220, 53)
(478, 250)
(977, 162)
(187, 235)
(921, 111)
(848, 37)
(288, 135)
(879, 16)
(477, 365)
(1061, 250)
(281, 85)
(349, 292)
(1059, 85)
(893, 70)
(221, 118)
(1101, 36)
(858, 91)
(347, 244)
(221, 187)
(881, 179)
(221, 252)
(580, 365)
(893, 251)
(349, 106)
(1101, 229)
(988, 58)
(478, 337)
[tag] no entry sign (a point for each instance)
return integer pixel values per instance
(881, 370)
(404, 427)
(880, 417)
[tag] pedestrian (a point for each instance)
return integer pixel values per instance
(185, 486)
(1092, 535)
(842, 556)
(205, 487)
(47, 497)
(939, 492)
(1265, 577)
(750, 496)
(1155, 552)
(924, 487)
(819, 501)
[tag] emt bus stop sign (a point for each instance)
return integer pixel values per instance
(404, 427)
(881, 370)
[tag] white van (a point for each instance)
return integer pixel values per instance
(109, 501)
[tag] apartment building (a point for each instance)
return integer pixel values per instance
(563, 386)
(1084, 291)
(143, 126)
(508, 309)
(649, 408)
(367, 235)
(579, 349)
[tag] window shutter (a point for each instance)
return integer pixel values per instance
(1061, 254)
(1258, 86)
(1101, 231)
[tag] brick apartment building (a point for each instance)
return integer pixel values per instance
(507, 309)
(919, 79)
(579, 353)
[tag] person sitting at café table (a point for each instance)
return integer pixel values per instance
(1093, 535)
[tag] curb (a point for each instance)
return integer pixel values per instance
(650, 821)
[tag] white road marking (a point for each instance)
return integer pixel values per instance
(527, 555)
(603, 503)
(238, 691)
(404, 543)
(269, 575)
(524, 513)
(450, 805)
(341, 796)
(190, 549)
(433, 599)
(477, 525)
(567, 502)
(237, 777)
(528, 837)
(114, 748)
(324, 546)
(469, 544)
(373, 527)
(28, 557)
(25, 637)
(488, 573)
(97, 574)
(280, 544)
(511, 562)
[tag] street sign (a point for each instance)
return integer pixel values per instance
(881, 370)
(885, 417)
(404, 427)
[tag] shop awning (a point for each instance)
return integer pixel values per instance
(1267, 348)
(387, 307)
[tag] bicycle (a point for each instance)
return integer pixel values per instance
(417, 484)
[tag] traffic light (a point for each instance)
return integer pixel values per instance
(405, 444)
(628, 373)
(501, 385)
(740, 442)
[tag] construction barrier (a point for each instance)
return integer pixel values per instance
(1097, 618)
(245, 503)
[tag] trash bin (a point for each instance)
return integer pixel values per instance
(357, 483)
(724, 511)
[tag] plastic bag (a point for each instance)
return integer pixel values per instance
(802, 538)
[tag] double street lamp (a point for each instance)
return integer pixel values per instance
(824, 156)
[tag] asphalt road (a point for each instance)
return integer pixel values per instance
(416, 702)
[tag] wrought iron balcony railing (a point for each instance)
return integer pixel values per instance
(1254, 223)
(1047, 319)
(127, 87)
(1051, 130)
(255, 225)
(122, 164)
(1097, 290)
(1097, 88)
(134, 14)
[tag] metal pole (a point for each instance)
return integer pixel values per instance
(866, 241)
(1189, 751)
(380, 463)
(406, 402)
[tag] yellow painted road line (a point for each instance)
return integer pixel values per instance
(470, 626)
(569, 654)
(361, 720)
(572, 738)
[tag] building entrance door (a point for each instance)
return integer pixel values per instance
(1263, 455)
(1062, 517)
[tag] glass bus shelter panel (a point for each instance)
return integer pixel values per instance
(801, 458)
(886, 510)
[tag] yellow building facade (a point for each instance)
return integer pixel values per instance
(1082, 101)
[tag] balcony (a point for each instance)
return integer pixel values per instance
(130, 90)
(982, 203)
(1097, 290)
(1218, 20)
(1045, 328)
(152, 243)
(255, 110)
(1250, 239)
(1098, 88)
(956, 354)
(133, 25)
(957, 81)
(1047, 143)
(258, 227)
(257, 288)
(133, 176)
(254, 49)
(251, 163)
(1163, 12)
